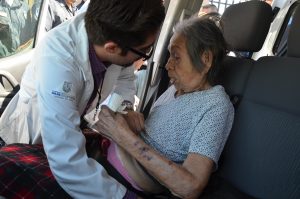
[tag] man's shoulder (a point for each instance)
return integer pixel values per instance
(72, 29)
(68, 40)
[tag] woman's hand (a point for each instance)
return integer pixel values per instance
(111, 124)
(136, 121)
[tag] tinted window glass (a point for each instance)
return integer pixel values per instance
(223, 4)
(18, 24)
(280, 46)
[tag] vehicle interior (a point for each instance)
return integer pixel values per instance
(261, 156)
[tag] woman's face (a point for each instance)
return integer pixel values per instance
(181, 71)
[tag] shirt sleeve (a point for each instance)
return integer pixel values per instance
(211, 133)
(58, 90)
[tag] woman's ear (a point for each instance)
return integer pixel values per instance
(112, 48)
(207, 58)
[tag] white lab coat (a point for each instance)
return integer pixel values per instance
(55, 90)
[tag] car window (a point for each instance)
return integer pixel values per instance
(223, 4)
(280, 46)
(18, 24)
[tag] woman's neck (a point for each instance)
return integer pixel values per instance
(202, 87)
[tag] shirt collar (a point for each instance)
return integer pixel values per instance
(96, 64)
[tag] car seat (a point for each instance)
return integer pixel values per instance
(261, 156)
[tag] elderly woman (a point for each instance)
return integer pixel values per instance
(186, 130)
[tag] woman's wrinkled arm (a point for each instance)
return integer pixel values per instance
(186, 180)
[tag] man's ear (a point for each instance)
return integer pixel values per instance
(207, 58)
(112, 47)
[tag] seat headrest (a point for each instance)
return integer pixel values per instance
(293, 38)
(246, 25)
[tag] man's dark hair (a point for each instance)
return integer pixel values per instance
(126, 22)
(203, 34)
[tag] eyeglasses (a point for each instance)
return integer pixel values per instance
(145, 55)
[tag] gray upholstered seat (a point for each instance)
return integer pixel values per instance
(262, 155)
(245, 27)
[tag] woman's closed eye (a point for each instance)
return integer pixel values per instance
(175, 57)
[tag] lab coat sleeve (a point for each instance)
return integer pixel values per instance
(59, 88)
(125, 85)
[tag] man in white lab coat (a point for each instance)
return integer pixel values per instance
(77, 65)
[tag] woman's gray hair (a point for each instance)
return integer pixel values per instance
(202, 34)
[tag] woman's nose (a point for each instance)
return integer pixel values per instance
(168, 65)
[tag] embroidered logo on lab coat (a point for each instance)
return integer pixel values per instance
(67, 87)
(65, 92)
